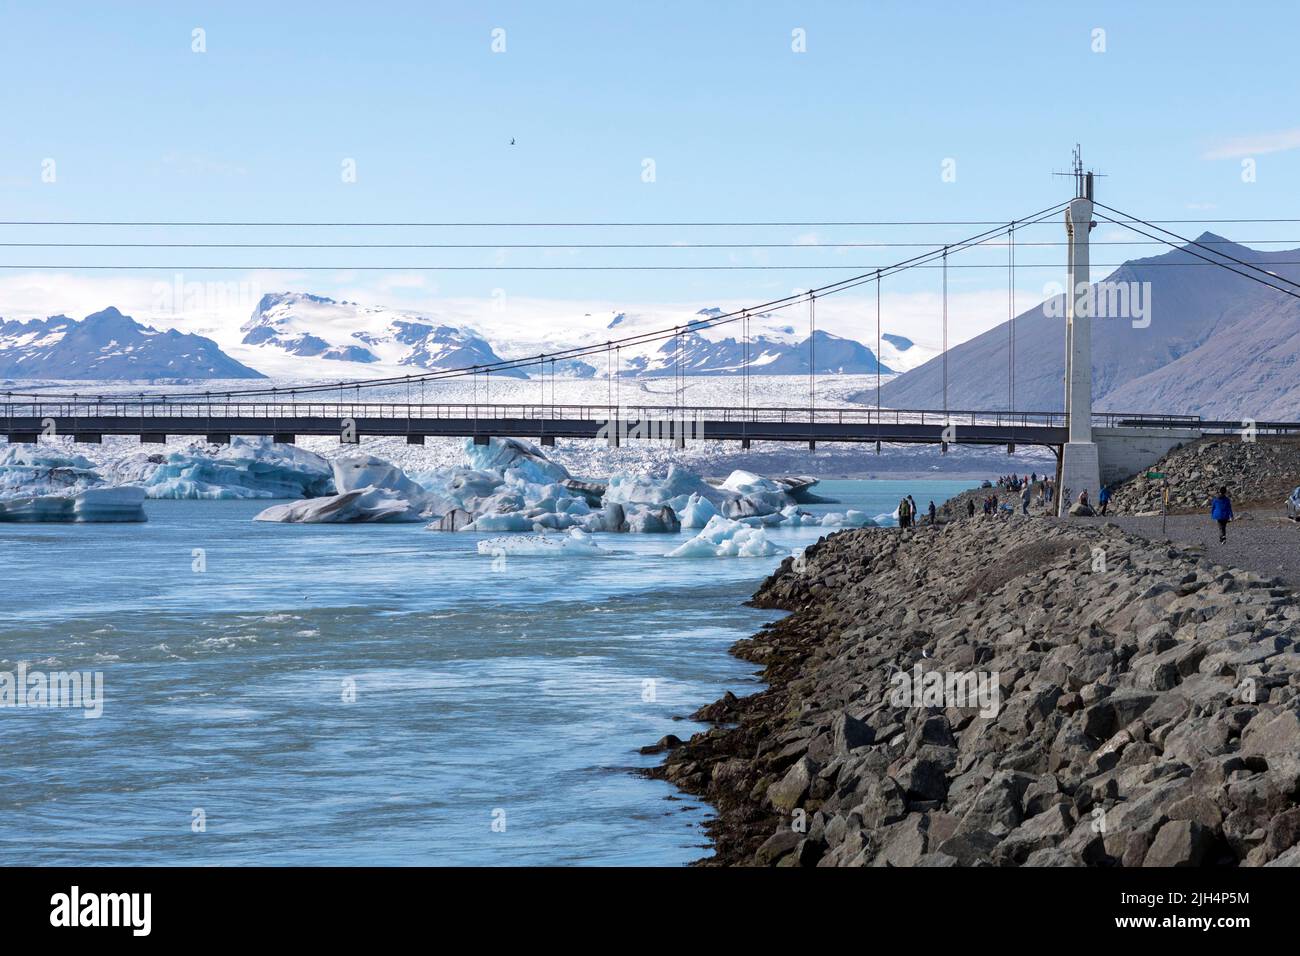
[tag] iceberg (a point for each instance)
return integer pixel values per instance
(724, 538)
(41, 483)
(514, 455)
(36, 470)
(672, 489)
(848, 519)
(742, 495)
(361, 505)
(697, 511)
(370, 490)
(792, 517)
(258, 468)
(648, 519)
(887, 520)
(748, 483)
(575, 543)
(125, 503)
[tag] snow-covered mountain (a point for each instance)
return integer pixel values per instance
(322, 331)
(316, 327)
(703, 350)
(768, 355)
(109, 346)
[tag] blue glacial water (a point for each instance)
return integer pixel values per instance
(517, 695)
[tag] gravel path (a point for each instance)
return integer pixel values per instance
(1262, 541)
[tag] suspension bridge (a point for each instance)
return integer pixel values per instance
(1090, 447)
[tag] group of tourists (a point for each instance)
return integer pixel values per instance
(1031, 488)
(909, 513)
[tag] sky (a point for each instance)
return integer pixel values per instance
(676, 112)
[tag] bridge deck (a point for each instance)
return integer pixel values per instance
(152, 420)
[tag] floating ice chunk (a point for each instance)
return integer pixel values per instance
(42, 483)
(647, 489)
(355, 472)
(506, 521)
(258, 468)
(359, 505)
(792, 517)
(523, 458)
(723, 538)
(647, 519)
(575, 544)
(888, 520)
(33, 470)
(91, 505)
(696, 512)
(848, 519)
(748, 483)
(370, 490)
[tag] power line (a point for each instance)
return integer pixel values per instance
(601, 245)
(45, 267)
(1192, 242)
(685, 224)
(1214, 262)
(773, 305)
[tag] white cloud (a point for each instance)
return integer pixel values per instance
(1255, 145)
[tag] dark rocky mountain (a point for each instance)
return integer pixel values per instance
(1212, 343)
(109, 345)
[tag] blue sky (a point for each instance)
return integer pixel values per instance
(739, 126)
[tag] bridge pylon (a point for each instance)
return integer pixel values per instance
(1080, 463)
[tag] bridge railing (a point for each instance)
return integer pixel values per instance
(122, 407)
(286, 411)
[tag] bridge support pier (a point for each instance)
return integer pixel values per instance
(284, 438)
(88, 438)
(482, 439)
(217, 438)
(1080, 463)
(548, 441)
(1080, 471)
(415, 439)
(153, 438)
(23, 438)
(744, 444)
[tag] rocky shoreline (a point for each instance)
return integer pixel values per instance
(1259, 473)
(1008, 692)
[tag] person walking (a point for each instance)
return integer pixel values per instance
(933, 514)
(1103, 497)
(913, 510)
(1221, 511)
(1024, 499)
(970, 507)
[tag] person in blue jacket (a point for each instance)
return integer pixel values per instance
(1221, 511)
(1103, 497)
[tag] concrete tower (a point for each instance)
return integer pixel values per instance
(1080, 468)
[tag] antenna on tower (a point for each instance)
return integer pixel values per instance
(1082, 178)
